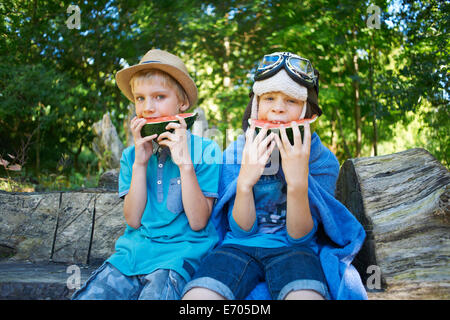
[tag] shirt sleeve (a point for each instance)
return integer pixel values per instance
(125, 174)
(208, 170)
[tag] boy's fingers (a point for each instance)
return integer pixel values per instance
(136, 129)
(168, 135)
(173, 125)
(262, 134)
(296, 132)
(164, 135)
(266, 155)
(249, 134)
(271, 147)
(280, 145)
(267, 140)
(133, 123)
(284, 138)
(139, 123)
(182, 122)
(166, 143)
(307, 135)
(149, 138)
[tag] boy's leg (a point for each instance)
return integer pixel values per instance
(229, 272)
(198, 293)
(162, 284)
(304, 295)
(295, 273)
(108, 283)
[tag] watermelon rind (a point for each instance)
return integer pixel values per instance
(289, 132)
(159, 127)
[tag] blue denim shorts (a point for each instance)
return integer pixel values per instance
(233, 271)
(108, 283)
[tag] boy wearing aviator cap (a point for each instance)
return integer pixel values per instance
(288, 236)
(167, 187)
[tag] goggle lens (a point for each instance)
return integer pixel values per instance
(299, 68)
(302, 65)
(268, 61)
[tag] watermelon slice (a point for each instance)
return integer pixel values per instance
(274, 126)
(158, 125)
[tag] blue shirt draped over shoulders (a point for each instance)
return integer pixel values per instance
(337, 235)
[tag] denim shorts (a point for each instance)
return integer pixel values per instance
(108, 283)
(233, 271)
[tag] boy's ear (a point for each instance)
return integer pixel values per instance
(184, 107)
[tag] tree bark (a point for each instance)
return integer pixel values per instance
(341, 131)
(402, 200)
(357, 107)
(374, 109)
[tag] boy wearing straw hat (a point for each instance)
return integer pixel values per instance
(167, 187)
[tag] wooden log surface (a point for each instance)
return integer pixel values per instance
(402, 200)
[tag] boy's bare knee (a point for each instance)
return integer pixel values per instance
(304, 295)
(198, 293)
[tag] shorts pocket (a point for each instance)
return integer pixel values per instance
(174, 199)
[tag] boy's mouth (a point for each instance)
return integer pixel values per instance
(276, 120)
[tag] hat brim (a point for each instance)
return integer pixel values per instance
(124, 76)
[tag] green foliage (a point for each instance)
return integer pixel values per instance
(56, 82)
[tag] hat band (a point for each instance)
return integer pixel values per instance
(150, 61)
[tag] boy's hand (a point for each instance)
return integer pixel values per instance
(143, 146)
(177, 143)
(295, 158)
(255, 155)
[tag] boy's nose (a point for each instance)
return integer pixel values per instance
(149, 106)
(278, 108)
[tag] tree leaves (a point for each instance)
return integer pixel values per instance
(55, 82)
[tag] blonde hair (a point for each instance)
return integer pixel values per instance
(166, 80)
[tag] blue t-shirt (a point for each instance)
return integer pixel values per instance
(165, 240)
(269, 228)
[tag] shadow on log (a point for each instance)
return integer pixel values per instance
(402, 200)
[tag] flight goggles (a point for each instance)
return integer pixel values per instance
(298, 68)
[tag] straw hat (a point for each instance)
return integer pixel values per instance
(164, 61)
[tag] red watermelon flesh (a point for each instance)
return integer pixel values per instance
(274, 126)
(278, 124)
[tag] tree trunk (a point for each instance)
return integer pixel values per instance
(357, 107)
(38, 141)
(226, 83)
(77, 155)
(374, 109)
(402, 200)
(341, 131)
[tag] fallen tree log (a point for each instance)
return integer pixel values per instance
(402, 200)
